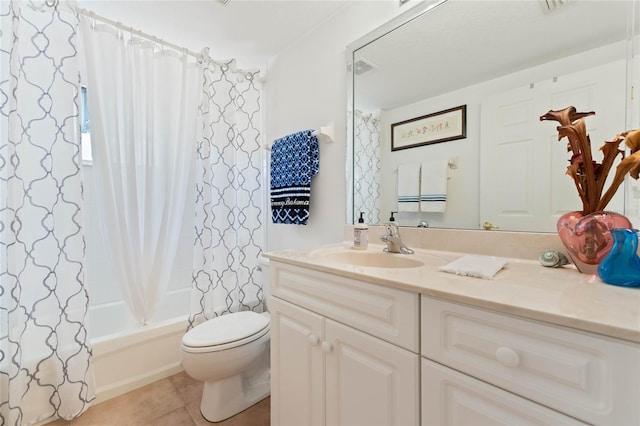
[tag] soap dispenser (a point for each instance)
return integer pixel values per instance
(360, 234)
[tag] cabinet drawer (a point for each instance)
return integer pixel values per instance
(590, 377)
(388, 313)
(453, 398)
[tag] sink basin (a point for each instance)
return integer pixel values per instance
(374, 260)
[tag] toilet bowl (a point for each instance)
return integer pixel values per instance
(230, 354)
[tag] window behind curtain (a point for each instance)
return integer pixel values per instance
(85, 128)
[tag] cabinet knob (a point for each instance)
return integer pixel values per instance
(507, 357)
(313, 339)
(326, 347)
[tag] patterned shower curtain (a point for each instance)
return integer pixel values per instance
(229, 195)
(366, 167)
(45, 358)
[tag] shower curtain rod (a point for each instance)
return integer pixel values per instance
(204, 55)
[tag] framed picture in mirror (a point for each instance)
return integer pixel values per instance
(441, 126)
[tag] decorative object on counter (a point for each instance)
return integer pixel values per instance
(588, 238)
(586, 234)
(475, 266)
(553, 259)
(621, 266)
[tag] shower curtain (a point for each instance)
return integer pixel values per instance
(366, 167)
(229, 196)
(45, 367)
(143, 100)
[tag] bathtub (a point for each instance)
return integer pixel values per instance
(128, 360)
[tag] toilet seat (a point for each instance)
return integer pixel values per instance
(226, 332)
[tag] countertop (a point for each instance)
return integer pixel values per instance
(560, 296)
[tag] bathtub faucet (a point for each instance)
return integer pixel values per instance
(393, 240)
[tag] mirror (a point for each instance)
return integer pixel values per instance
(507, 63)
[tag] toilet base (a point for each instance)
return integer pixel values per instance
(225, 398)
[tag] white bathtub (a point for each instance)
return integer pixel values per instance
(128, 360)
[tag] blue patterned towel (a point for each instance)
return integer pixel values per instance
(295, 159)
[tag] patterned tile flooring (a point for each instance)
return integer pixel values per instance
(174, 401)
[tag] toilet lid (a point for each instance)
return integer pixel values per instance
(225, 329)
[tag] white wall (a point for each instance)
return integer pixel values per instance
(306, 87)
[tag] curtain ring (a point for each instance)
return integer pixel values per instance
(51, 3)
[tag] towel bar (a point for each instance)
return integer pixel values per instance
(325, 131)
(453, 164)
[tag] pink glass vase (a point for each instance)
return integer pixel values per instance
(587, 238)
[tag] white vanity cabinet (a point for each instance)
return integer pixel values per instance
(343, 352)
(482, 367)
(365, 346)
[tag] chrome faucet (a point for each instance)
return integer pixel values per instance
(393, 240)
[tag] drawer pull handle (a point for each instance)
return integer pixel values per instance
(326, 347)
(507, 357)
(313, 339)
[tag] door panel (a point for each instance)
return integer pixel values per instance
(369, 381)
(297, 366)
(528, 190)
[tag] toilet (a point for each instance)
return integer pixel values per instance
(230, 354)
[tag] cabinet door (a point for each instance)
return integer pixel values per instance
(297, 366)
(369, 381)
(452, 398)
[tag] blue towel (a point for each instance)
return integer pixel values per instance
(295, 159)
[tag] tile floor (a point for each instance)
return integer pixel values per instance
(174, 401)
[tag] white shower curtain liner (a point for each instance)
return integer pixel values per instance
(143, 104)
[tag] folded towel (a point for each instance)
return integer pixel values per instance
(295, 159)
(475, 266)
(409, 187)
(433, 186)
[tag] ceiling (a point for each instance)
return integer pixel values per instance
(464, 42)
(250, 31)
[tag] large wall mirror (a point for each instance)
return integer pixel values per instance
(455, 88)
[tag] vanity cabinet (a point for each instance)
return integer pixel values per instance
(500, 369)
(343, 352)
(348, 351)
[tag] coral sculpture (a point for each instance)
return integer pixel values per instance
(589, 175)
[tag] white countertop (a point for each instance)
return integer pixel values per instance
(561, 296)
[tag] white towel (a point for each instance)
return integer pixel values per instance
(409, 187)
(433, 186)
(475, 266)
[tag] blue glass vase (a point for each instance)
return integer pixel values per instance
(622, 265)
